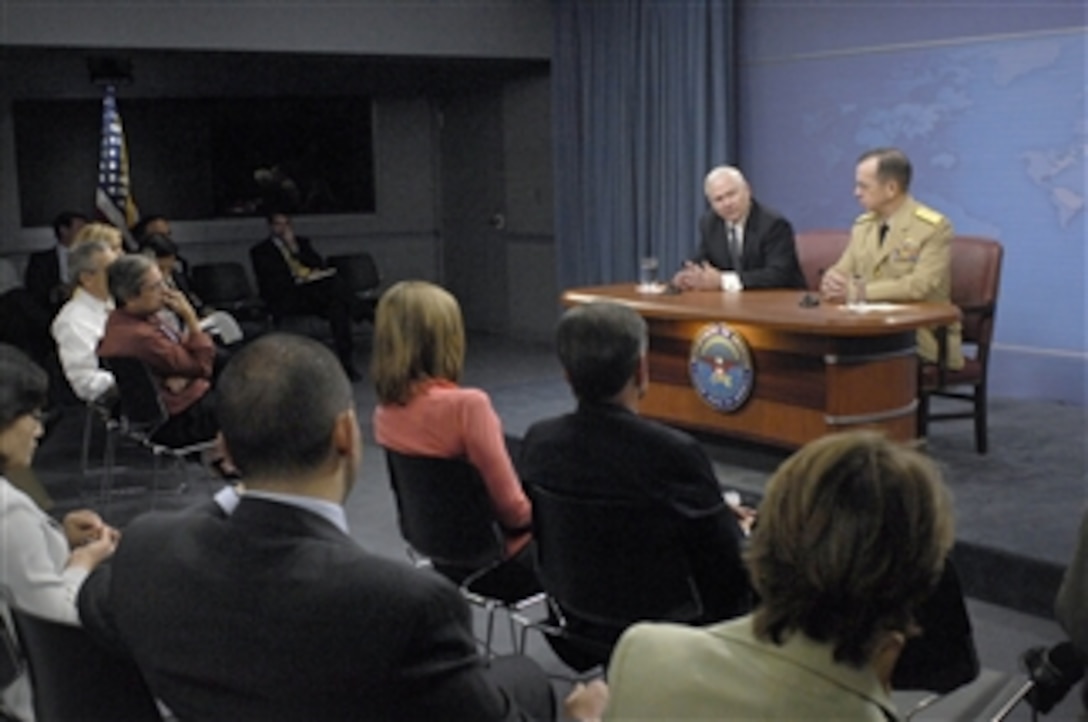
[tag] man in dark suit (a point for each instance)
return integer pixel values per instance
(293, 278)
(605, 450)
(273, 612)
(742, 243)
(47, 271)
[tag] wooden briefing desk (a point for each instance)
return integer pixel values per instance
(817, 369)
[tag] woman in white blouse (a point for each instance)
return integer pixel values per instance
(42, 562)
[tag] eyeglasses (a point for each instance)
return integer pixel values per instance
(158, 285)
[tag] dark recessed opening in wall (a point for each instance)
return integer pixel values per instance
(202, 158)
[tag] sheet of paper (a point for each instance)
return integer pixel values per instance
(874, 308)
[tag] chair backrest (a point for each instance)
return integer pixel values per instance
(139, 402)
(221, 283)
(75, 679)
(444, 511)
(943, 657)
(612, 562)
(976, 278)
(818, 251)
(358, 270)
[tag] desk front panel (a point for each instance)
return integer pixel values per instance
(817, 369)
(804, 386)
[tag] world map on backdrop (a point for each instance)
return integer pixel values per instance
(998, 134)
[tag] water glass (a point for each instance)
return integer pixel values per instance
(855, 292)
(647, 273)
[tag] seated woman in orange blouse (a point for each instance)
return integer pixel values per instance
(418, 357)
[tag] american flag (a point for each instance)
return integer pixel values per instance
(113, 196)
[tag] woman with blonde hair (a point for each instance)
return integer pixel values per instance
(96, 231)
(418, 358)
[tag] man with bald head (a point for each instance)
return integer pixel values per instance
(742, 243)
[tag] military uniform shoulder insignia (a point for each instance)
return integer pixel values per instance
(928, 215)
(864, 217)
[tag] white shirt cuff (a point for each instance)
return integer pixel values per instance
(731, 281)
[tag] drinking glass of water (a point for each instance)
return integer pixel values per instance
(855, 293)
(647, 274)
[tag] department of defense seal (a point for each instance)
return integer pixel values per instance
(721, 367)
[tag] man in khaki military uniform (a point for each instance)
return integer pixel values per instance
(899, 247)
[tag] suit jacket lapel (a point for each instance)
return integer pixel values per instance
(753, 229)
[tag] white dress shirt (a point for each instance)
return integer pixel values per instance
(33, 555)
(77, 329)
(731, 279)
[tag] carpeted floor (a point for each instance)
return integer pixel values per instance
(1017, 507)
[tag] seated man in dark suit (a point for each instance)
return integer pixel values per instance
(294, 279)
(274, 612)
(604, 450)
(47, 271)
(742, 243)
(23, 322)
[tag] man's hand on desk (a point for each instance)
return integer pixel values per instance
(701, 277)
(833, 286)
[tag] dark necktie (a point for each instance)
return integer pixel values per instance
(734, 245)
(883, 232)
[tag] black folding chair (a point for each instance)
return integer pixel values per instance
(447, 519)
(141, 415)
(226, 286)
(606, 564)
(74, 680)
(102, 410)
(360, 273)
(943, 657)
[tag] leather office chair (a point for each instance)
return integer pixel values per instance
(818, 251)
(606, 564)
(976, 279)
(361, 275)
(75, 679)
(446, 516)
(225, 286)
(141, 414)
